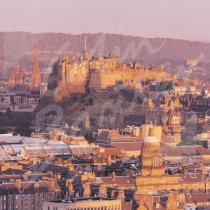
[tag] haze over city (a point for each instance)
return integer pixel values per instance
(188, 19)
(104, 105)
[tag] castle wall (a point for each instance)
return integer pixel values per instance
(102, 73)
(102, 79)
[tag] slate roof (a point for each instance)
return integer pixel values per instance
(11, 171)
(26, 188)
(47, 167)
(184, 150)
(119, 180)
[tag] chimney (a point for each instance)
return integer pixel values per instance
(132, 174)
(113, 176)
(184, 173)
(52, 183)
(36, 184)
(86, 190)
(69, 187)
(121, 195)
(102, 191)
(203, 172)
(112, 193)
(18, 183)
(109, 160)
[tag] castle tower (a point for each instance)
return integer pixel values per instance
(151, 156)
(36, 78)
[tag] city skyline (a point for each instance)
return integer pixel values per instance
(104, 105)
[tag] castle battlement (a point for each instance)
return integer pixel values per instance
(102, 73)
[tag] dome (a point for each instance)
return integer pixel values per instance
(151, 139)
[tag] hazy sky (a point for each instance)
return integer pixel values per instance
(186, 19)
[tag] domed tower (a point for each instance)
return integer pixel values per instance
(151, 156)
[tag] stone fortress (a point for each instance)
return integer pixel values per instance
(76, 74)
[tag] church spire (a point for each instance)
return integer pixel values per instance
(36, 61)
(85, 53)
(12, 79)
(85, 43)
(36, 77)
(20, 79)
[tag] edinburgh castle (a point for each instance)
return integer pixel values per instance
(75, 75)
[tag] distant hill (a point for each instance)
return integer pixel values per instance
(19, 46)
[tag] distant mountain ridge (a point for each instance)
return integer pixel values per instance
(19, 46)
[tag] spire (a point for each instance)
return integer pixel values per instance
(85, 43)
(36, 77)
(20, 76)
(12, 78)
(4, 71)
(85, 54)
(36, 61)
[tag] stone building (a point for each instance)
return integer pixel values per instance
(85, 204)
(27, 195)
(18, 98)
(107, 72)
(16, 76)
(153, 176)
(74, 74)
(151, 157)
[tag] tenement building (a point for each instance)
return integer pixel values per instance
(21, 195)
(85, 204)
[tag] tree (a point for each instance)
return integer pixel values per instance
(23, 131)
(90, 101)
